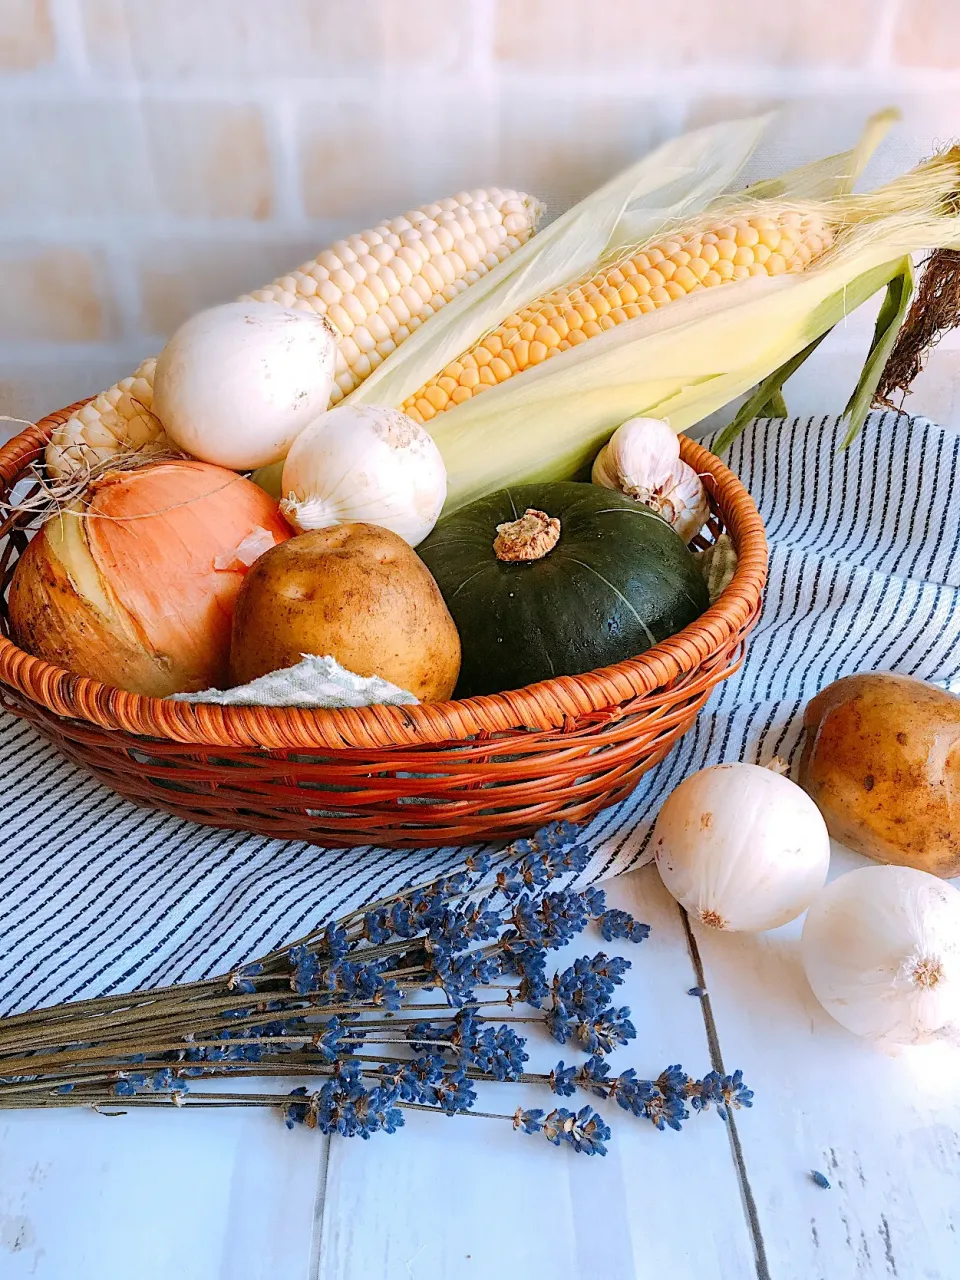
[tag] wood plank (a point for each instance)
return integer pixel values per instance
(466, 1197)
(884, 1129)
(154, 1195)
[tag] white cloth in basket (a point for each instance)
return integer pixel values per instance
(313, 682)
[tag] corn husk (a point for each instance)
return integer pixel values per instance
(693, 357)
(666, 188)
(671, 184)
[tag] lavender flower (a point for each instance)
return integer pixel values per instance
(620, 924)
(563, 1080)
(583, 1129)
(345, 983)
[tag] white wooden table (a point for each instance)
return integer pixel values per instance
(236, 1196)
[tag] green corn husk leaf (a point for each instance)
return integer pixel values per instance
(696, 355)
(672, 183)
(892, 315)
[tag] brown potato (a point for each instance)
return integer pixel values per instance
(354, 592)
(882, 761)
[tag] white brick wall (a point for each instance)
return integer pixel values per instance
(157, 156)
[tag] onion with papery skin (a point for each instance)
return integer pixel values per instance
(236, 385)
(881, 950)
(124, 587)
(364, 464)
(741, 847)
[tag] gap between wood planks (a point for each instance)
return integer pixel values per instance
(319, 1206)
(716, 1061)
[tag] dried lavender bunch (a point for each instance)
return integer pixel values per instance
(344, 1006)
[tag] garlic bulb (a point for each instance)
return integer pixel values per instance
(642, 460)
(365, 463)
(236, 384)
(881, 950)
(741, 847)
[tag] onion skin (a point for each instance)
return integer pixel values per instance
(123, 589)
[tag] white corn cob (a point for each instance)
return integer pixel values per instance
(376, 287)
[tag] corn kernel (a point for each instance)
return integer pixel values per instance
(425, 409)
(436, 396)
(342, 320)
(743, 257)
(547, 335)
(488, 378)
(727, 248)
(521, 350)
(676, 290)
(775, 264)
(683, 279)
(500, 369)
(461, 394)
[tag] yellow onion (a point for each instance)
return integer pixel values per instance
(135, 585)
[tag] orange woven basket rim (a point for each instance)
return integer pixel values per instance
(547, 705)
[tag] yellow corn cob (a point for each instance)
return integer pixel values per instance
(665, 271)
(376, 287)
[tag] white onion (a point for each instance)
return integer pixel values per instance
(741, 847)
(365, 463)
(236, 385)
(881, 950)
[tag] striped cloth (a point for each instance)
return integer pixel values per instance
(97, 895)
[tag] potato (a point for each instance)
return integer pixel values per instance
(882, 761)
(354, 592)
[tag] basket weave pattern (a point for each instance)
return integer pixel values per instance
(441, 773)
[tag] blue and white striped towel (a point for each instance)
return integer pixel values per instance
(97, 895)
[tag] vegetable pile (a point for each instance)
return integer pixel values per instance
(446, 381)
(466, 479)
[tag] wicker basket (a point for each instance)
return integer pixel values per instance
(438, 774)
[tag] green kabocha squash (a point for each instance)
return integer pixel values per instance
(556, 579)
